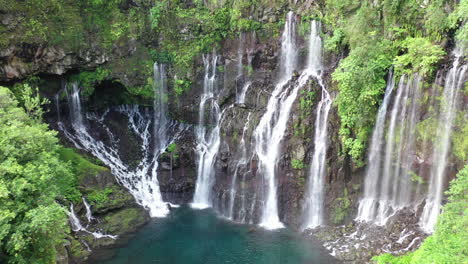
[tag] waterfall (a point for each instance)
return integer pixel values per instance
(57, 105)
(77, 226)
(74, 221)
(388, 186)
(142, 180)
(272, 126)
(245, 88)
(367, 204)
(242, 162)
(208, 140)
(89, 215)
(453, 84)
(160, 107)
(402, 184)
(314, 196)
(240, 96)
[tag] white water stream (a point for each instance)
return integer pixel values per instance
(450, 103)
(272, 126)
(208, 139)
(315, 188)
(142, 180)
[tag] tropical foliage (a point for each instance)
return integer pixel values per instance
(33, 179)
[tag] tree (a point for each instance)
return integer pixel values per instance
(32, 177)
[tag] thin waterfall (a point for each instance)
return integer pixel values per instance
(242, 162)
(89, 214)
(367, 205)
(240, 96)
(272, 126)
(245, 88)
(240, 55)
(244, 210)
(160, 106)
(314, 196)
(208, 140)
(142, 180)
(74, 221)
(57, 106)
(78, 227)
(454, 82)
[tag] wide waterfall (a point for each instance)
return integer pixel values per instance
(271, 128)
(388, 185)
(208, 139)
(367, 205)
(314, 194)
(142, 180)
(454, 83)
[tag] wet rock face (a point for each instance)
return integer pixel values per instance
(297, 145)
(24, 60)
(177, 172)
(359, 242)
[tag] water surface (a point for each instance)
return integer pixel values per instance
(200, 237)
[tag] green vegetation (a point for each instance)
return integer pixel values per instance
(449, 242)
(297, 164)
(109, 198)
(180, 86)
(404, 34)
(80, 165)
(126, 219)
(460, 138)
(88, 80)
(62, 23)
(204, 28)
(32, 178)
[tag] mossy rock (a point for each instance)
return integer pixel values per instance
(109, 198)
(98, 242)
(124, 221)
(77, 250)
(82, 166)
(340, 208)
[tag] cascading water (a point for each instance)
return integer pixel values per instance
(314, 196)
(160, 107)
(240, 97)
(242, 162)
(453, 84)
(77, 226)
(142, 180)
(391, 171)
(245, 88)
(367, 205)
(402, 184)
(272, 125)
(208, 140)
(89, 214)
